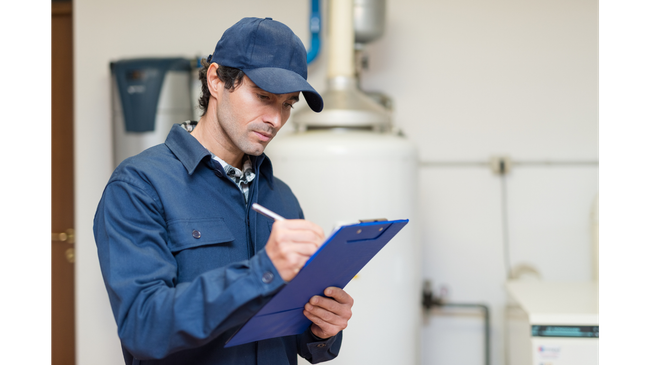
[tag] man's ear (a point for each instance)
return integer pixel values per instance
(215, 85)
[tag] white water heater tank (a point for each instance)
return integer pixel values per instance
(345, 164)
(341, 175)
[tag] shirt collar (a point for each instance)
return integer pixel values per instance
(190, 152)
(186, 148)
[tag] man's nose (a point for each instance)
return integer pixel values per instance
(274, 117)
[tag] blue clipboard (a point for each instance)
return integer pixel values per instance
(335, 263)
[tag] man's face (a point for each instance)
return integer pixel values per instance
(250, 117)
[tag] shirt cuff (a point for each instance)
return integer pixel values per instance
(314, 336)
(269, 277)
(319, 350)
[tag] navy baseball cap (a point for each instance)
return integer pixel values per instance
(270, 54)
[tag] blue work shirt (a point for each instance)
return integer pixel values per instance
(182, 256)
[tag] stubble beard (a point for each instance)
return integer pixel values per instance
(241, 140)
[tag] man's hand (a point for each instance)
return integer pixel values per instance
(329, 315)
(291, 244)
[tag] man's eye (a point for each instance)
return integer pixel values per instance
(263, 97)
(288, 105)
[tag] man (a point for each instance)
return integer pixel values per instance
(185, 259)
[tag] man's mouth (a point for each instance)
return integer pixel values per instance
(263, 136)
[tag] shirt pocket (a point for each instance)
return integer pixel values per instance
(190, 233)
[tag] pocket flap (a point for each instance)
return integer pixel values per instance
(188, 233)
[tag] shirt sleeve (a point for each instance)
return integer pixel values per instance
(155, 315)
(315, 350)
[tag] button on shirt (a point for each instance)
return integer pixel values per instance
(182, 256)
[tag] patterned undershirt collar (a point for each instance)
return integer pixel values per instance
(243, 178)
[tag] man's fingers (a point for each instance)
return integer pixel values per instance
(327, 324)
(298, 236)
(339, 295)
(324, 314)
(301, 249)
(300, 225)
(296, 255)
(329, 314)
(291, 244)
(331, 306)
(330, 324)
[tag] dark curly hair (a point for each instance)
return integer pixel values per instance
(230, 76)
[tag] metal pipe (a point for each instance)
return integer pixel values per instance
(314, 28)
(486, 321)
(340, 62)
(429, 301)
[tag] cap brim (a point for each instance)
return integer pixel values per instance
(281, 81)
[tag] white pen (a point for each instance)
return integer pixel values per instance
(260, 209)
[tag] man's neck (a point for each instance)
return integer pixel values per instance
(209, 133)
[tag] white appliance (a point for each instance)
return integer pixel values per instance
(345, 164)
(149, 96)
(552, 323)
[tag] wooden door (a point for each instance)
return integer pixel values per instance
(63, 306)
